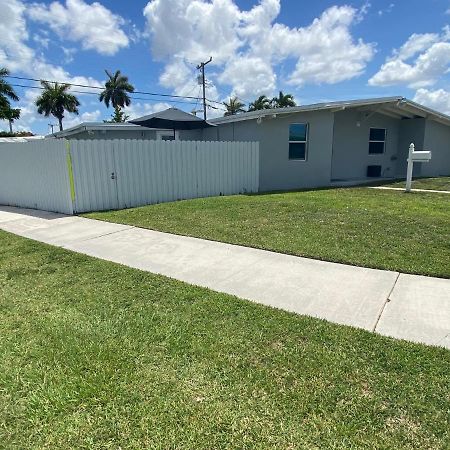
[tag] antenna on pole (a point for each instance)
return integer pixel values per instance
(201, 67)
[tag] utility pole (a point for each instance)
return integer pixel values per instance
(201, 67)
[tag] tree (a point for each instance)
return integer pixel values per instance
(116, 93)
(283, 101)
(55, 100)
(118, 116)
(6, 90)
(262, 102)
(234, 106)
(10, 114)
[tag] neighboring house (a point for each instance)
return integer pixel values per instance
(101, 130)
(18, 139)
(339, 142)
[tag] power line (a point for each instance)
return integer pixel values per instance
(102, 87)
(96, 93)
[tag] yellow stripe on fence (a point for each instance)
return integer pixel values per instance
(70, 171)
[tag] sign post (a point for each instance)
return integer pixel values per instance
(413, 157)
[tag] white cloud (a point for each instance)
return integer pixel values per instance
(432, 59)
(17, 56)
(95, 26)
(259, 77)
(327, 51)
(387, 10)
(246, 45)
(193, 29)
(86, 116)
(139, 109)
(438, 99)
(13, 31)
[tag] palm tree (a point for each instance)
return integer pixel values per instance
(116, 91)
(55, 100)
(234, 106)
(262, 102)
(6, 90)
(283, 101)
(10, 115)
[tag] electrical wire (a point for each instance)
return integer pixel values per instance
(96, 93)
(102, 87)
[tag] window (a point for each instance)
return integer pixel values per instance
(167, 135)
(377, 141)
(298, 139)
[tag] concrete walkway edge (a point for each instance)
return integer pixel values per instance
(403, 306)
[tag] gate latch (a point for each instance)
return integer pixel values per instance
(113, 176)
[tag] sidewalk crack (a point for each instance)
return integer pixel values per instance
(388, 299)
(106, 234)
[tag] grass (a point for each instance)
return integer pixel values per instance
(360, 226)
(99, 356)
(434, 184)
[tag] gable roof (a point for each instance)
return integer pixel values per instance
(396, 107)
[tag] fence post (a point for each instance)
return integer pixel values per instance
(409, 172)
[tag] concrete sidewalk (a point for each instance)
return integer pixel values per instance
(388, 188)
(403, 306)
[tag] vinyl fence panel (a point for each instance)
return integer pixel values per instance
(35, 175)
(93, 175)
(116, 174)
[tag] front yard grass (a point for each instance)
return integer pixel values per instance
(434, 184)
(360, 226)
(95, 355)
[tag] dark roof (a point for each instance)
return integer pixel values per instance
(172, 118)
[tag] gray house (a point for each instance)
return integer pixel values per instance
(339, 142)
(324, 144)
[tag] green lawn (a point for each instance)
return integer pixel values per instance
(361, 226)
(435, 184)
(99, 356)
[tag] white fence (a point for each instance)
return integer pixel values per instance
(34, 175)
(93, 175)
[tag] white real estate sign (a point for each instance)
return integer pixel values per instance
(413, 156)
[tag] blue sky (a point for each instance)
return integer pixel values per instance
(318, 51)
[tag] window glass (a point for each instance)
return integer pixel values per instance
(297, 132)
(298, 138)
(377, 138)
(376, 147)
(297, 150)
(377, 134)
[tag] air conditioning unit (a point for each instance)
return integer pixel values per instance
(373, 171)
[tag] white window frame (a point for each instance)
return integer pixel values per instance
(384, 142)
(161, 133)
(299, 142)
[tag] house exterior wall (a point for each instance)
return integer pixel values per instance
(437, 140)
(276, 170)
(351, 145)
(411, 131)
(185, 135)
(114, 134)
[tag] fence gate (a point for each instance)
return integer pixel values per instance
(95, 175)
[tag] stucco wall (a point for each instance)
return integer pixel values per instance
(277, 171)
(114, 134)
(411, 131)
(437, 140)
(351, 145)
